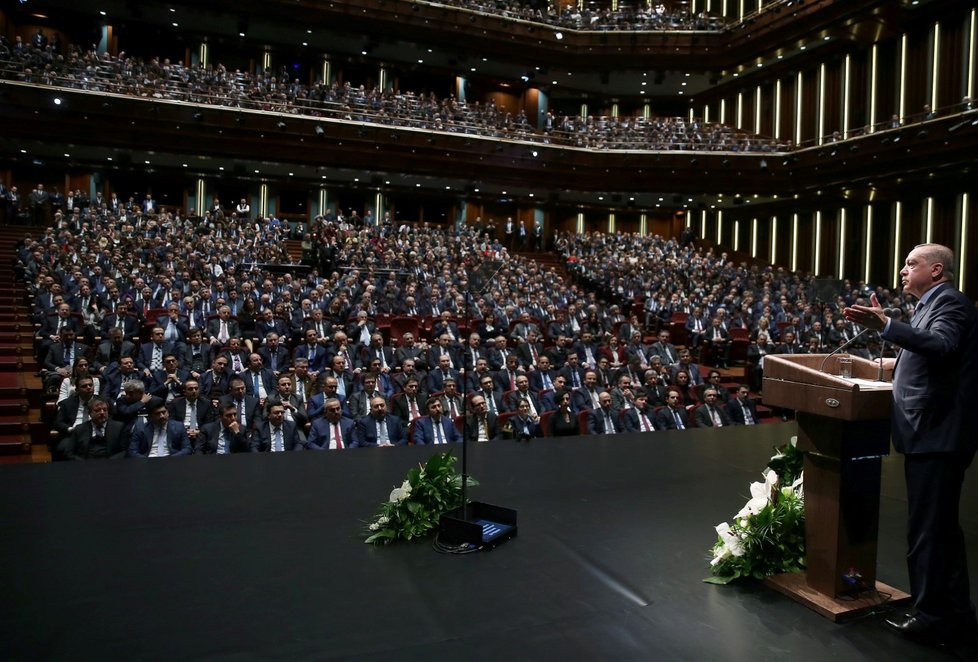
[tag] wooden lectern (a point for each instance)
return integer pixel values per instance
(844, 431)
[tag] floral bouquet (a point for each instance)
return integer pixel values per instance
(767, 536)
(415, 508)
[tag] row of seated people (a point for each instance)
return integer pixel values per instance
(161, 79)
(141, 425)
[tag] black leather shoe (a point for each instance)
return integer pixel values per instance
(913, 628)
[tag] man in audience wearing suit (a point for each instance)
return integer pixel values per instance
(159, 436)
(284, 395)
(604, 419)
(673, 415)
(278, 434)
(73, 410)
(195, 356)
(122, 320)
(378, 428)
(97, 439)
(480, 424)
(61, 357)
(641, 417)
(436, 428)
(247, 406)
(741, 409)
(712, 414)
(225, 435)
(333, 431)
(193, 410)
(111, 350)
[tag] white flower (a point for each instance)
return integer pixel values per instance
(760, 496)
(384, 520)
(731, 541)
(406, 487)
(375, 527)
(397, 494)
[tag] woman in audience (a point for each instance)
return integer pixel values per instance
(563, 422)
(80, 369)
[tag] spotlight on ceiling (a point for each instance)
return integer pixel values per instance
(319, 131)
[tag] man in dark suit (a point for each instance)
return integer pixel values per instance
(741, 409)
(225, 435)
(312, 351)
(711, 414)
(409, 405)
(523, 392)
(53, 325)
(587, 396)
(222, 328)
(436, 428)
(174, 325)
(122, 320)
(97, 439)
(604, 419)
(284, 395)
(379, 428)
(480, 425)
(247, 406)
(333, 431)
(259, 380)
(935, 379)
(195, 356)
(73, 410)
(193, 410)
(278, 434)
(673, 415)
(640, 418)
(150, 356)
(444, 371)
(61, 357)
(159, 436)
(111, 350)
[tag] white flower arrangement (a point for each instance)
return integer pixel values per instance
(767, 535)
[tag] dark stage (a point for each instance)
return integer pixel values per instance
(255, 557)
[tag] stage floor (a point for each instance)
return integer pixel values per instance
(257, 557)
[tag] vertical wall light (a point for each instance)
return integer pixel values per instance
(929, 220)
(935, 63)
(818, 244)
(740, 110)
(868, 242)
(872, 89)
(902, 80)
(690, 114)
(579, 228)
(794, 242)
(614, 110)
(962, 240)
(706, 114)
(647, 110)
(723, 111)
(969, 87)
(263, 200)
(845, 96)
(611, 222)
(201, 203)
(897, 231)
(266, 60)
(203, 54)
(379, 205)
(821, 104)
(643, 224)
(583, 111)
(736, 235)
(777, 109)
(774, 239)
(325, 71)
(798, 83)
(323, 201)
(702, 222)
(842, 244)
(719, 226)
(757, 110)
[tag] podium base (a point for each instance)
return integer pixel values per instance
(795, 586)
(481, 525)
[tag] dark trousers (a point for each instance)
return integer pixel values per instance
(935, 543)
